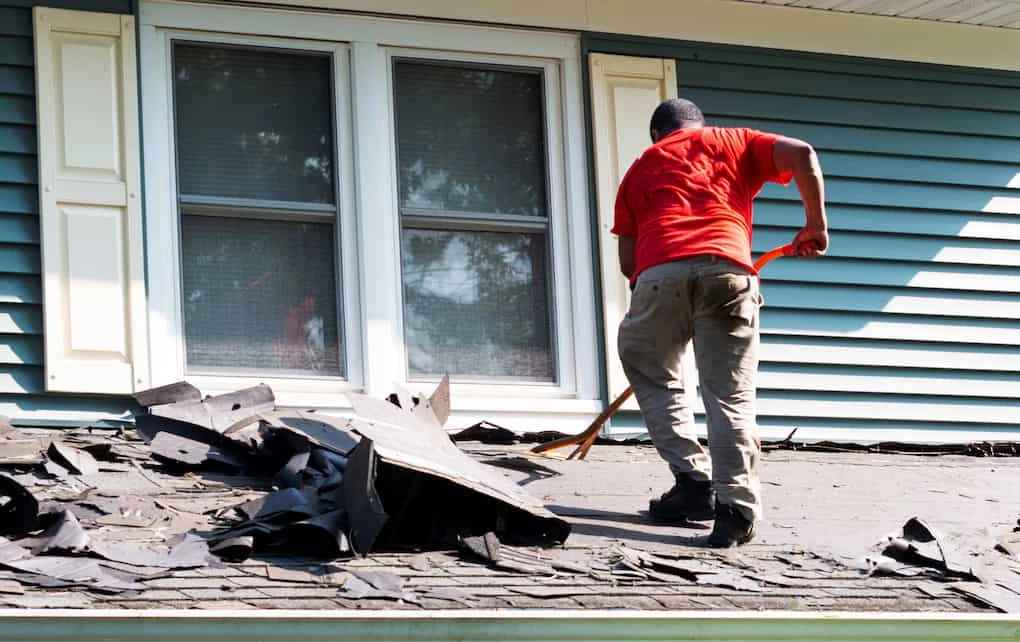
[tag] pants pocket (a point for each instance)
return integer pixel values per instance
(730, 295)
(746, 310)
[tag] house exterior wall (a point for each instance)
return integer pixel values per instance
(908, 328)
(22, 388)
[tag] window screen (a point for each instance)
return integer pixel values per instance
(254, 124)
(470, 139)
(258, 210)
(259, 295)
(475, 303)
(473, 198)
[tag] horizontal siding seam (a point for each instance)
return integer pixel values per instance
(872, 126)
(1006, 244)
(916, 208)
(801, 96)
(852, 74)
(893, 343)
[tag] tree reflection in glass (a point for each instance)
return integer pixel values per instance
(253, 124)
(475, 304)
(470, 140)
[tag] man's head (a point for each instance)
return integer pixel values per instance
(674, 114)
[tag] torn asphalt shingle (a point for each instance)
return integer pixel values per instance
(61, 532)
(321, 430)
(439, 401)
(170, 393)
(77, 461)
(15, 450)
(76, 570)
(323, 535)
(18, 508)
(997, 597)
(11, 551)
(191, 552)
(922, 545)
(221, 412)
(184, 450)
(234, 549)
(486, 547)
(403, 440)
(364, 507)
(375, 585)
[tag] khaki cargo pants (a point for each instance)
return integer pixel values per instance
(715, 303)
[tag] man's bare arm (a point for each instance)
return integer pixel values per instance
(799, 158)
(626, 246)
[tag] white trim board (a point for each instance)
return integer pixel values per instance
(337, 27)
(719, 21)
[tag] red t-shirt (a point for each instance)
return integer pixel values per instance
(691, 192)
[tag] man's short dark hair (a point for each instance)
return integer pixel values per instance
(674, 114)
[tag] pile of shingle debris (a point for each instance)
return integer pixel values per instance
(388, 478)
(984, 567)
(195, 481)
(59, 529)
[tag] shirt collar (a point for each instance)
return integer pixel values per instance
(679, 134)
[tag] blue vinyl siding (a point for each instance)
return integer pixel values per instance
(911, 324)
(23, 393)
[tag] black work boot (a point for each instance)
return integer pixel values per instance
(688, 501)
(731, 528)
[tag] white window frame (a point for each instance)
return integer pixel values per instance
(559, 263)
(164, 258)
(363, 49)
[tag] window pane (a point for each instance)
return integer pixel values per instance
(253, 123)
(470, 139)
(260, 295)
(475, 304)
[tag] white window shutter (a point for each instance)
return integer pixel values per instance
(625, 91)
(90, 211)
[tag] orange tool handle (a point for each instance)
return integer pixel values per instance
(786, 250)
(790, 249)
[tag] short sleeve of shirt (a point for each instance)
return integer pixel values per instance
(760, 147)
(623, 217)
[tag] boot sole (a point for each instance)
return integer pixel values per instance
(746, 539)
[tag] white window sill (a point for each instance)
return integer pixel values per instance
(521, 415)
(521, 408)
(329, 402)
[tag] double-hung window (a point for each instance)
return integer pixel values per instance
(257, 193)
(473, 195)
(340, 202)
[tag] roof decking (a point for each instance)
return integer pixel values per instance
(823, 510)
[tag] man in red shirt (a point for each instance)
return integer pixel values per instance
(683, 215)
